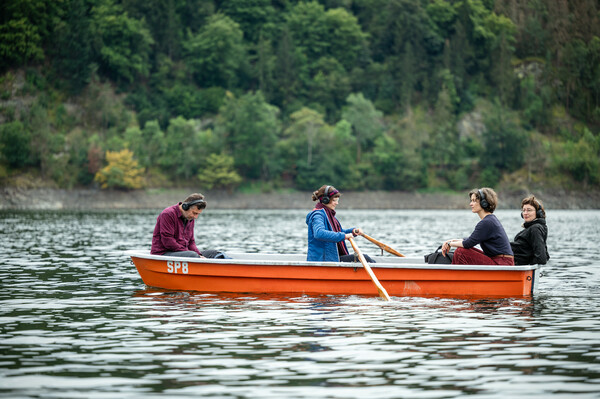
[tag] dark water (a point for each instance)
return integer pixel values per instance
(76, 320)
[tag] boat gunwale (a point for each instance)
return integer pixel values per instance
(379, 265)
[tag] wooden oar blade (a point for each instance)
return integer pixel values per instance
(381, 245)
(382, 292)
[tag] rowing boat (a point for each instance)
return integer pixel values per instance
(288, 273)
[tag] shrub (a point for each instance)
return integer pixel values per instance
(219, 172)
(14, 144)
(122, 171)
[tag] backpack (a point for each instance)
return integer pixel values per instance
(438, 258)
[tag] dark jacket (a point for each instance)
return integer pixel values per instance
(529, 245)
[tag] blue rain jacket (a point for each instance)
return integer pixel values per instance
(322, 240)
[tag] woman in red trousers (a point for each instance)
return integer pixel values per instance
(488, 233)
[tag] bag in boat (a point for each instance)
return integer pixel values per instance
(437, 257)
(212, 253)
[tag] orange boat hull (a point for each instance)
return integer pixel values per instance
(301, 277)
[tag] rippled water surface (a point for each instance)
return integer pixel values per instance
(76, 321)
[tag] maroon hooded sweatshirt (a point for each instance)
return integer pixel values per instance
(173, 233)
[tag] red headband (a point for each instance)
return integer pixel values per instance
(330, 194)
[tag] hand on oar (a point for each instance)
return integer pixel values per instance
(383, 246)
(355, 232)
(382, 292)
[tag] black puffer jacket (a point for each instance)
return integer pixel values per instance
(529, 245)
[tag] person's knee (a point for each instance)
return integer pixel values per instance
(182, 254)
(190, 254)
(459, 256)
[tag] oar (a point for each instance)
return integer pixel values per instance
(382, 292)
(383, 246)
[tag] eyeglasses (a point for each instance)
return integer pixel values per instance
(527, 210)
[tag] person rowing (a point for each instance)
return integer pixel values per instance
(326, 237)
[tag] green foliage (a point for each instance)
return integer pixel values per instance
(308, 30)
(248, 129)
(164, 19)
(325, 45)
(3, 173)
(534, 112)
(366, 121)
(505, 143)
(329, 87)
(103, 110)
(443, 16)
(399, 169)
(152, 145)
(20, 42)
(346, 42)
(219, 172)
(534, 38)
(191, 144)
(123, 43)
(581, 159)
(72, 53)
(14, 145)
(191, 102)
(216, 54)
(444, 151)
(490, 176)
(303, 132)
(25, 31)
(333, 161)
(78, 170)
(581, 75)
(402, 39)
(369, 93)
(449, 88)
(253, 16)
(122, 171)
(44, 144)
(149, 107)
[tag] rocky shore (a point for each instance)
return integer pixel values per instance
(15, 198)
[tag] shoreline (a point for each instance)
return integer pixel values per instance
(15, 198)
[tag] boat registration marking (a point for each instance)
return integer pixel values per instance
(177, 267)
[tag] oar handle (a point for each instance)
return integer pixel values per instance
(382, 292)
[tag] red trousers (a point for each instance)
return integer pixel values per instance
(474, 256)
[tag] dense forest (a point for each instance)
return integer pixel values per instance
(270, 94)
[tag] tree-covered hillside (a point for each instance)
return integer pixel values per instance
(363, 94)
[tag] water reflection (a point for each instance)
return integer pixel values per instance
(76, 320)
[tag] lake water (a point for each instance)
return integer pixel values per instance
(76, 321)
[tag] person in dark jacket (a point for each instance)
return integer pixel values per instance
(488, 233)
(325, 233)
(529, 245)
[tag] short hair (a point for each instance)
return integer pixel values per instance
(317, 195)
(196, 197)
(490, 196)
(535, 203)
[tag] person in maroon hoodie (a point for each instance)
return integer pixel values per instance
(174, 230)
